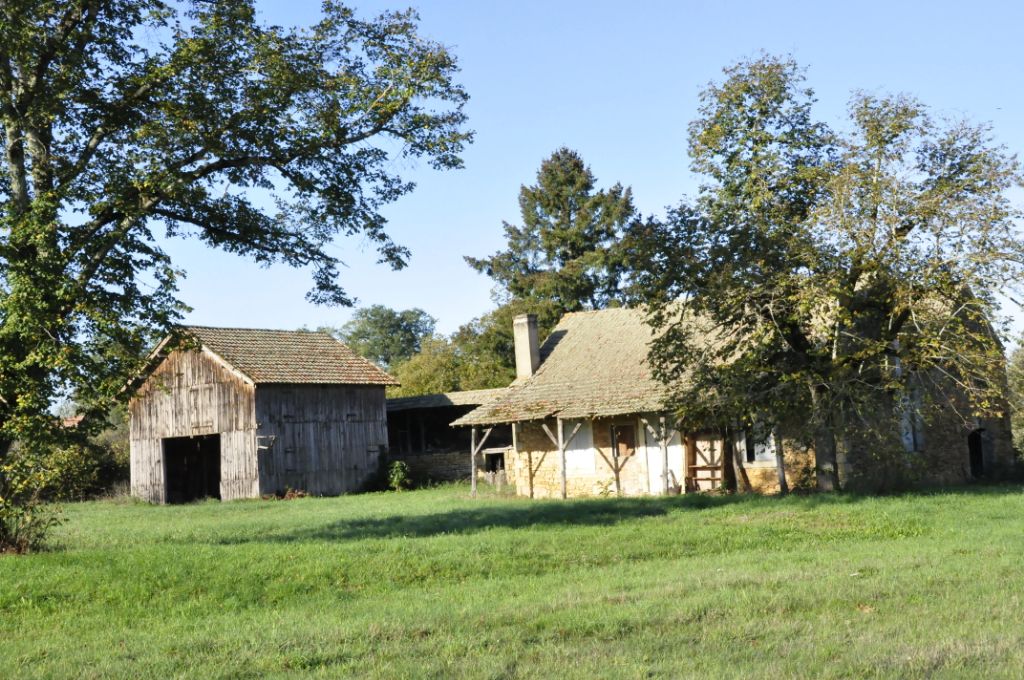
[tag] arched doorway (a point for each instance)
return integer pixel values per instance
(975, 453)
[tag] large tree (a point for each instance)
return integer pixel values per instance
(564, 256)
(124, 119)
(830, 269)
(385, 335)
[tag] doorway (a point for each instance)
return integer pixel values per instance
(191, 468)
(976, 453)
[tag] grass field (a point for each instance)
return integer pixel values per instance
(435, 584)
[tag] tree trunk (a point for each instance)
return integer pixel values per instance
(780, 462)
(826, 464)
(728, 462)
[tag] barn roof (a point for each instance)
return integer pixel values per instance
(593, 364)
(274, 356)
(464, 398)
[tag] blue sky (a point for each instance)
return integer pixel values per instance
(617, 82)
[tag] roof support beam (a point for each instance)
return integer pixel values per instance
(475, 447)
(562, 442)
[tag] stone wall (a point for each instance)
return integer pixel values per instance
(533, 466)
(438, 466)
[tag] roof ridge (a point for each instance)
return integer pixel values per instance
(249, 328)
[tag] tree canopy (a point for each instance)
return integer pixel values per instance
(123, 119)
(830, 267)
(386, 336)
(564, 256)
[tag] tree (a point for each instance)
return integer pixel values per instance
(121, 117)
(830, 270)
(479, 355)
(1015, 376)
(384, 335)
(564, 257)
(433, 370)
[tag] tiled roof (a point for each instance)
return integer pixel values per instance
(465, 398)
(272, 356)
(594, 364)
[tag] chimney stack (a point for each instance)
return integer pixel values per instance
(524, 332)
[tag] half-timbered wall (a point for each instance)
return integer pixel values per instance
(191, 393)
(321, 439)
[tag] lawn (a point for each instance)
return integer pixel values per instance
(433, 583)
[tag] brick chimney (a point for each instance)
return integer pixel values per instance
(524, 332)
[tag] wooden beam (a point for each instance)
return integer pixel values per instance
(475, 448)
(561, 452)
(472, 460)
(547, 431)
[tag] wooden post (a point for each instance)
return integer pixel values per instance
(561, 449)
(475, 448)
(664, 455)
(472, 461)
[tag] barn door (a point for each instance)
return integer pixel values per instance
(706, 470)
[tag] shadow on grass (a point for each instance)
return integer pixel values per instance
(589, 512)
(524, 514)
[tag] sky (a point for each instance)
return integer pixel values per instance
(617, 82)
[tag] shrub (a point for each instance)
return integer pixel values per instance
(398, 476)
(24, 520)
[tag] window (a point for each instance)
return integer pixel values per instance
(623, 440)
(758, 444)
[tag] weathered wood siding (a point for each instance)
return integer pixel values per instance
(191, 393)
(326, 439)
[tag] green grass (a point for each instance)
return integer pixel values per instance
(435, 584)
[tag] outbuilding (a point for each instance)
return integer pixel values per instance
(238, 413)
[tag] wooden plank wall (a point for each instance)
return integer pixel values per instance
(190, 393)
(327, 439)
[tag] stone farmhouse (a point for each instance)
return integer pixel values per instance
(587, 417)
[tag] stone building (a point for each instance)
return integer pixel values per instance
(237, 413)
(589, 418)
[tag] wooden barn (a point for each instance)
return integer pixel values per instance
(589, 418)
(239, 413)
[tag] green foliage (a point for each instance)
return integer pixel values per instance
(1015, 378)
(433, 583)
(831, 272)
(126, 121)
(564, 257)
(384, 335)
(24, 520)
(81, 471)
(434, 370)
(398, 476)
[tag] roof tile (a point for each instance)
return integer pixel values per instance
(275, 356)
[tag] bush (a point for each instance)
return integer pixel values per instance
(398, 476)
(24, 520)
(81, 471)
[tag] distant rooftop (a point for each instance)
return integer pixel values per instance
(465, 398)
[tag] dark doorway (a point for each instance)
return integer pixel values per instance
(975, 451)
(192, 468)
